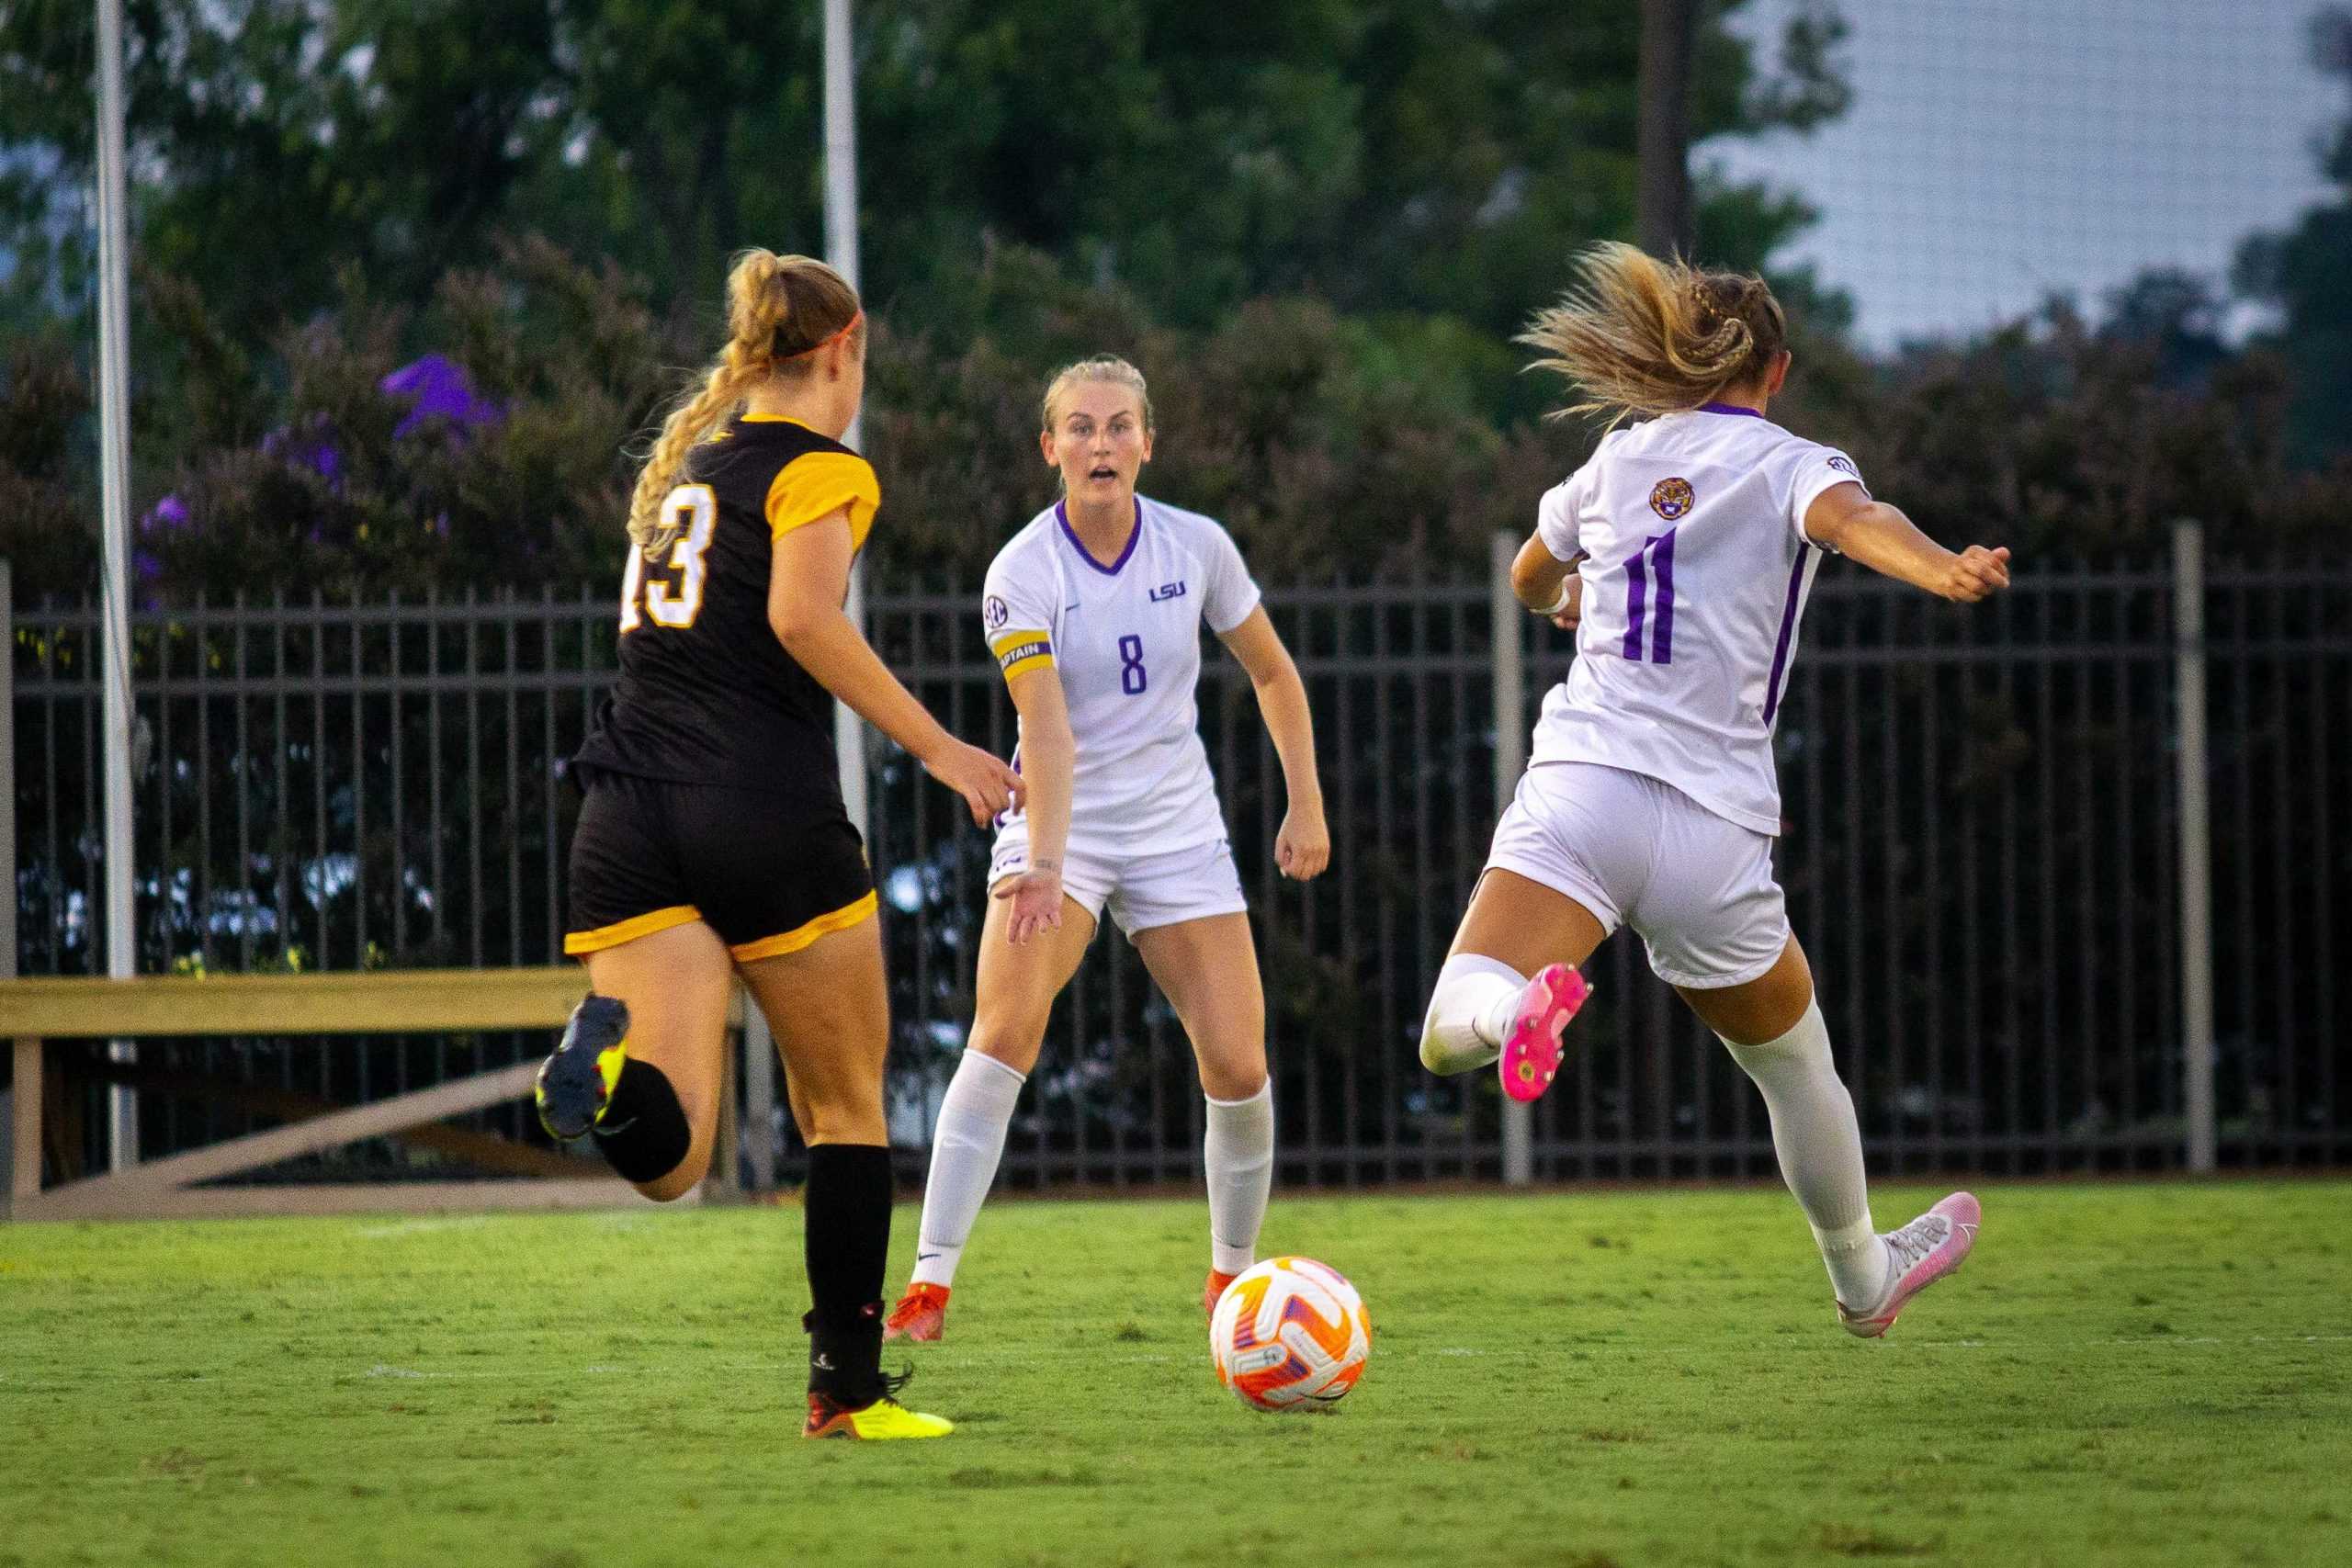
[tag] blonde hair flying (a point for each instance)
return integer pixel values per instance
(780, 310)
(1643, 336)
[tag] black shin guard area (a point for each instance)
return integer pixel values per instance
(643, 1131)
(846, 1219)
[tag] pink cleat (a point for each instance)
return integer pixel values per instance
(1918, 1254)
(1531, 1058)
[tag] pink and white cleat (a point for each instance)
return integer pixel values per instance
(1531, 1058)
(1918, 1254)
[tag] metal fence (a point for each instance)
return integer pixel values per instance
(1983, 858)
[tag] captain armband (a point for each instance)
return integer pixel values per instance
(1020, 651)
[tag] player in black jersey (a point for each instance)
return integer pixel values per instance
(713, 841)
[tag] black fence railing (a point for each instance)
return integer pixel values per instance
(1982, 855)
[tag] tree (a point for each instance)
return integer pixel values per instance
(2303, 272)
(271, 143)
(1316, 223)
(1388, 156)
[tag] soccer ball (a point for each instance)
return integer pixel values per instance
(1290, 1334)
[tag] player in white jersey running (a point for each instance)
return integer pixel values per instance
(1094, 613)
(1681, 554)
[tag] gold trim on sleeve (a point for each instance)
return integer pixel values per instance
(816, 484)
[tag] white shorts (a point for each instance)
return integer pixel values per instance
(1141, 891)
(1637, 851)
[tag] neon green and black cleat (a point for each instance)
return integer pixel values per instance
(575, 1084)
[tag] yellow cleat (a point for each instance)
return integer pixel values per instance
(884, 1419)
(576, 1083)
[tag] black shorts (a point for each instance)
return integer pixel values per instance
(770, 873)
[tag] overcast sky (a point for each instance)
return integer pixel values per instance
(1998, 149)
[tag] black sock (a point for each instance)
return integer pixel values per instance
(845, 1213)
(643, 1131)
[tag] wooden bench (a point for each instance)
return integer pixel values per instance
(36, 1013)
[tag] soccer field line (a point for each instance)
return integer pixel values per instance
(385, 1370)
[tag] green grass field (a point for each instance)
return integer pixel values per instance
(2157, 1374)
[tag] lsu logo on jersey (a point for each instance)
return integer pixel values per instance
(1167, 590)
(1671, 498)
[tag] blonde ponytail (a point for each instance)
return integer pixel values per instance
(1642, 336)
(778, 310)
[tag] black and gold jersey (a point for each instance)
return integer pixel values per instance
(707, 692)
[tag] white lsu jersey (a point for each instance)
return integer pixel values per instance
(1696, 570)
(1126, 639)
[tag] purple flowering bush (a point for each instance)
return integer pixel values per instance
(342, 457)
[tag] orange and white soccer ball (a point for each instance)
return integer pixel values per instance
(1290, 1334)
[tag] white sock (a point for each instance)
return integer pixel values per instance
(1820, 1145)
(1237, 1154)
(965, 1149)
(1470, 1011)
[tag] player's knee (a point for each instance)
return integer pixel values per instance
(1238, 1079)
(843, 1108)
(1013, 1035)
(1467, 986)
(1804, 1044)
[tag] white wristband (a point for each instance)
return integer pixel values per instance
(1559, 606)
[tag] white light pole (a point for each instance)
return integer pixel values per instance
(114, 478)
(841, 249)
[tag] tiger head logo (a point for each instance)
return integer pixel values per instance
(1671, 498)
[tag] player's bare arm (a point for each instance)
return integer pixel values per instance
(806, 587)
(1303, 848)
(1844, 518)
(1547, 585)
(1049, 763)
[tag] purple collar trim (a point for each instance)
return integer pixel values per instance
(1729, 407)
(1061, 515)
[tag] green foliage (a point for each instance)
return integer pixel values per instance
(2059, 436)
(2306, 272)
(1555, 1379)
(1315, 224)
(45, 532)
(1391, 155)
(568, 353)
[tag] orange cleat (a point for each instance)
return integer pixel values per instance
(921, 1314)
(1218, 1280)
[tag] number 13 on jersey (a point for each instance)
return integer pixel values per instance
(672, 597)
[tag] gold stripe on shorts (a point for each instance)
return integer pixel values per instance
(629, 929)
(798, 937)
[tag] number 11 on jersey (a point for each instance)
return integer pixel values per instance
(1653, 562)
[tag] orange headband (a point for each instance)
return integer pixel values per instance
(848, 328)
